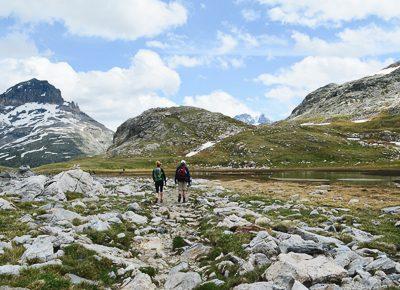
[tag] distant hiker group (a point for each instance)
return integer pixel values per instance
(182, 179)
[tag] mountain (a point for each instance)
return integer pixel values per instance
(253, 120)
(173, 131)
(359, 99)
(37, 127)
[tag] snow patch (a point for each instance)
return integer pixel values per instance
(201, 148)
(32, 151)
(360, 121)
(314, 124)
(387, 70)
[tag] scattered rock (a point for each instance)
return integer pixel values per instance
(182, 281)
(305, 268)
(233, 221)
(391, 210)
(78, 280)
(6, 205)
(140, 282)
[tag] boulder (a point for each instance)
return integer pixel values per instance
(384, 264)
(264, 243)
(262, 221)
(128, 190)
(305, 268)
(233, 221)
(141, 281)
(10, 269)
(296, 244)
(183, 281)
(257, 286)
(59, 214)
(6, 205)
(195, 251)
(75, 180)
(31, 188)
(391, 209)
(41, 249)
(134, 206)
(76, 280)
(134, 218)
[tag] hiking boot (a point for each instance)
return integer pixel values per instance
(179, 198)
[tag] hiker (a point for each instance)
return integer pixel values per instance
(182, 177)
(159, 180)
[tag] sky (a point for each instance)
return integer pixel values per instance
(118, 58)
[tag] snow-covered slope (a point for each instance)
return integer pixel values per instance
(253, 120)
(37, 126)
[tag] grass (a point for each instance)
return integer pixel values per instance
(178, 242)
(109, 238)
(283, 145)
(70, 195)
(148, 270)
(12, 255)
(10, 226)
(46, 278)
(84, 263)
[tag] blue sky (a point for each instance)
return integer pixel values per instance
(118, 58)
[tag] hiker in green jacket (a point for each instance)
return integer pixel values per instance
(159, 180)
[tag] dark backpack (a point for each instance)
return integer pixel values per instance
(182, 173)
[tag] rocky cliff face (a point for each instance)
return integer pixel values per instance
(176, 130)
(358, 99)
(37, 126)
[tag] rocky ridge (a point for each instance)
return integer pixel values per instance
(107, 232)
(359, 99)
(37, 127)
(171, 131)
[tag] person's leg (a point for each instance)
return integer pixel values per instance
(161, 191)
(157, 192)
(179, 190)
(183, 196)
(184, 192)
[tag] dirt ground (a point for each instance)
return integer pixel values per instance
(335, 194)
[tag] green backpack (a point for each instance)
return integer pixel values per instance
(158, 175)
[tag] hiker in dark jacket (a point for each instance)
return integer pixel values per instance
(183, 178)
(159, 180)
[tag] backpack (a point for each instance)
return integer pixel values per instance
(158, 176)
(181, 176)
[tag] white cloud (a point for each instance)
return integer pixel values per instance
(331, 12)
(122, 19)
(110, 96)
(219, 101)
(17, 45)
(156, 44)
(227, 43)
(364, 41)
(176, 61)
(250, 15)
(301, 78)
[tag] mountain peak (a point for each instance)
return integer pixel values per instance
(31, 91)
(253, 120)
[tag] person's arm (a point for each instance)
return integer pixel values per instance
(164, 177)
(188, 176)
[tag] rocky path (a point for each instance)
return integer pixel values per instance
(75, 231)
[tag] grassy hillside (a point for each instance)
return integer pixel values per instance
(171, 131)
(284, 145)
(295, 145)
